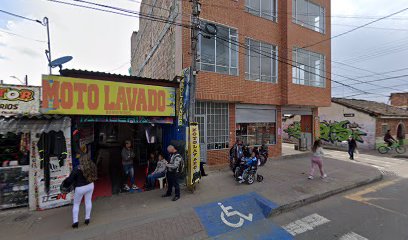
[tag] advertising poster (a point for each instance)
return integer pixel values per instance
(16, 100)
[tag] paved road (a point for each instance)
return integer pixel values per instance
(378, 212)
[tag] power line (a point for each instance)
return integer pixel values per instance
(22, 17)
(297, 63)
(130, 13)
(287, 63)
(354, 29)
(18, 35)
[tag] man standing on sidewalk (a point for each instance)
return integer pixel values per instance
(172, 173)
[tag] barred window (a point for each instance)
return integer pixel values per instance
(215, 126)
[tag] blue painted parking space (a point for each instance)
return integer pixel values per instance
(234, 213)
(261, 230)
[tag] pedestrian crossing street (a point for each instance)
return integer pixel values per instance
(379, 162)
(313, 222)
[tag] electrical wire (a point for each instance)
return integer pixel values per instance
(290, 64)
(354, 29)
(297, 63)
(18, 35)
(22, 17)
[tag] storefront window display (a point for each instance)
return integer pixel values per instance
(256, 133)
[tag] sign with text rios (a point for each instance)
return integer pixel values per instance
(16, 100)
(64, 95)
(194, 154)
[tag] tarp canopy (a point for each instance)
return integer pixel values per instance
(25, 125)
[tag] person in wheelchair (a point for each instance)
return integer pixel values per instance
(251, 161)
(389, 139)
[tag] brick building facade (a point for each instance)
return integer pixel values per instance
(399, 100)
(257, 67)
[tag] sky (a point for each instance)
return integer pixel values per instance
(100, 41)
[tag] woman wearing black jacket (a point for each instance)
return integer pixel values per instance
(83, 178)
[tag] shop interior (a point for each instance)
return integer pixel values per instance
(104, 143)
(14, 167)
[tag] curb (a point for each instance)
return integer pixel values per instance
(306, 201)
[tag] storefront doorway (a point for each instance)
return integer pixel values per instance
(108, 137)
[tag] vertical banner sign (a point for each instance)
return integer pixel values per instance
(183, 96)
(194, 153)
(180, 103)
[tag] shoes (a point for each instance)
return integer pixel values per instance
(166, 195)
(134, 187)
(324, 176)
(175, 198)
(204, 175)
(310, 178)
(75, 225)
(87, 221)
(126, 188)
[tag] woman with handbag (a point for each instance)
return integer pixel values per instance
(82, 179)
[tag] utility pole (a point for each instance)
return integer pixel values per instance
(48, 52)
(195, 28)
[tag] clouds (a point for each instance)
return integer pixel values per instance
(98, 41)
(375, 49)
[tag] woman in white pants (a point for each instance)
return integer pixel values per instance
(83, 178)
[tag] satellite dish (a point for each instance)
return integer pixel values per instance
(59, 61)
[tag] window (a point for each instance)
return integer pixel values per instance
(309, 15)
(219, 53)
(262, 8)
(310, 68)
(261, 62)
(384, 128)
(215, 123)
(256, 133)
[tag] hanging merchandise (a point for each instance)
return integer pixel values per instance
(51, 145)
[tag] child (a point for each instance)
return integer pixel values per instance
(317, 159)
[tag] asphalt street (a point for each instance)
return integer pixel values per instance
(378, 211)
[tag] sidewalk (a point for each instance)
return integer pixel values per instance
(148, 216)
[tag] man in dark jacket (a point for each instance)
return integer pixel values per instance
(352, 146)
(389, 139)
(173, 168)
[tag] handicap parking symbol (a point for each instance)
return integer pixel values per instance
(233, 213)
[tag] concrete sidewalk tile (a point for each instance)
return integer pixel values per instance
(148, 216)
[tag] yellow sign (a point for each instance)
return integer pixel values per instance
(65, 95)
(194, 153)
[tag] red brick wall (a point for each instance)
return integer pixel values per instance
(399, 100)
(284, 34)
(392, 125)
(220, 157)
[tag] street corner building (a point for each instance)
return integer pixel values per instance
(367, 121)
(258, 63)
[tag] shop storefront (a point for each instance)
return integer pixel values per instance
(105, 113)
(34, 151)
(256, 124)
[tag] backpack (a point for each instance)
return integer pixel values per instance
(181, 170)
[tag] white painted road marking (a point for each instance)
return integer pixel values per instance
(242, 217)
(305, 224)
(352, 236)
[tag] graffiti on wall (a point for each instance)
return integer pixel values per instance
(331, 131)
